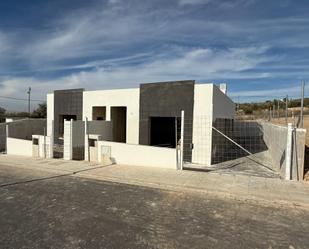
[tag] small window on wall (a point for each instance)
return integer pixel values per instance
(35, 141)
(92, 142)
(99, 113)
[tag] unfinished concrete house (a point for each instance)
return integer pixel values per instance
(174, 125)
(115, 120)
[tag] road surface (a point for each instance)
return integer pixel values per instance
(44, 210)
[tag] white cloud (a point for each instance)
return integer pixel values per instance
(125, 43)
(294, 92)
(176, 63)
(219, 4)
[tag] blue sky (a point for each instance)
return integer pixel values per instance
(260, 48)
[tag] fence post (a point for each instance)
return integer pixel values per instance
(289, 144)
(6, 138)
(51, 140)
(302, 104)
(44, 142)
(286, 109)
(71, 139)
(87, 149)
(182, 138)
(176, 143)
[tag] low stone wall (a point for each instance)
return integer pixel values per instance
(275, 138)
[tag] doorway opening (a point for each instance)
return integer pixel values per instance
(119, 119)
(163, 131)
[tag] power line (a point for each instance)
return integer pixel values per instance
(37, 100)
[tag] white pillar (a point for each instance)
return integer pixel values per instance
(87, 156)
(51, 140)
(67, 140)
(6, 138)
(288, 158)
(182, 138)
(71, 139)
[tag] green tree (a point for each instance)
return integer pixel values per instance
(40, 112)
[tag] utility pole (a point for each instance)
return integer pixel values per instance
(286, 109)
(278, 111)
(29, 95)
(302, 104)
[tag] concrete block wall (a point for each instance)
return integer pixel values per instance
(275, 138)
(78, 139)
(167, 99)
(66, 102)
(24, 129)
(2, 137)
(223, 106)
(102, 128)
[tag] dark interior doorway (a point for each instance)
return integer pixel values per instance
(119, 119)
(163, 131)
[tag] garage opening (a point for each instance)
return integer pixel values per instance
(119, 119)
(163, 131)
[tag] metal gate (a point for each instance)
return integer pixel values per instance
(227, 145)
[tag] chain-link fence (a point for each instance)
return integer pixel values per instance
(232, 139)
(213, 142)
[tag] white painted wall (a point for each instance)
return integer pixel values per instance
(50, 113)
(8, 120)
(114, 98)
(19, 147)
(209, 103)
(140, 155)
(202, 123)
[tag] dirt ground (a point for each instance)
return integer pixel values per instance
(306, 126)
